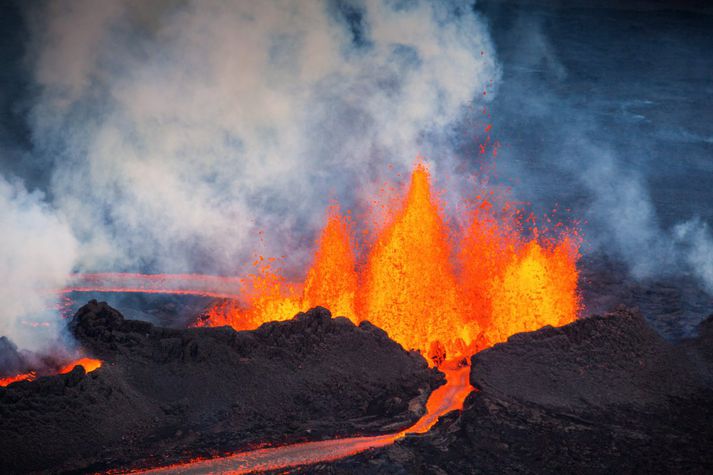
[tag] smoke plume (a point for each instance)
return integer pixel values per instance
(186, 136)
(596, 116)
(37, 252)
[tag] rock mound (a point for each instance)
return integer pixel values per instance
(162, 394)
(601, 395)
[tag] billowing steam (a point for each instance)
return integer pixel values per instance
(698, 241)
(37, 252)
(186, 136)
(184, 130)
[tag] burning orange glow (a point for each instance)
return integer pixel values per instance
(444, 301)
(89, 364)
(538, 288)
(409, 287)
(18, 377)
(213, 286)
(332, 280)
(265, 294)
(487, 248)
(512, 285)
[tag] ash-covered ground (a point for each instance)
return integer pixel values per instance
(164, 394)
(601, 395)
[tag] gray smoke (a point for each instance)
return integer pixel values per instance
(187, 136)
(37, 252)
(179, 131)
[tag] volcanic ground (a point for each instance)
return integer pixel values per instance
(603, 393)
(166, 394)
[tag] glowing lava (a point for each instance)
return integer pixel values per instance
(443, 400)
(408, 285)
(427, 295)
(540, 284)
(89, 365)
(212, 286)
(332, 280)
(30, 376)
(445, 291)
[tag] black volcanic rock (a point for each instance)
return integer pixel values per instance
(601, 395)
(11, 361)
(163, 394)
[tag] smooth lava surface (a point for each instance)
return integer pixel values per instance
(443, 400)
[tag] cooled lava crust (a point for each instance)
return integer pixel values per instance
(163, 395)
(601, 395)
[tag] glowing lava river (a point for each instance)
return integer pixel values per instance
(446, 398)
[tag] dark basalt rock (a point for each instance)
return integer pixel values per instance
(602, 395)
(165, 394)
(11, 361)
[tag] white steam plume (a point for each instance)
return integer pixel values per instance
(37, 251)
(179, 130)
(696, 236)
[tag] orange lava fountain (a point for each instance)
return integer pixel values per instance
(409, 286)
(427, 295)
(332, 280)
(89, 365)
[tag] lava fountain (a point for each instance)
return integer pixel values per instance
(445, 300)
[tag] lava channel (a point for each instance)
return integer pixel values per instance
(213, 286)
(447, 398)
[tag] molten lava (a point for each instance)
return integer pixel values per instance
(178, 284)
(332, 280)
(443, 400)
(89, 365)
(444, 301)
(408, 285)
(538, 288)
(30, 376)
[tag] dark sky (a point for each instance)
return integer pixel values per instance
(14, 92)
(635, 79)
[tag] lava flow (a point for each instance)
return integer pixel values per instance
(445, 300)
(443, 400)
(212, 286)
(89, 365)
